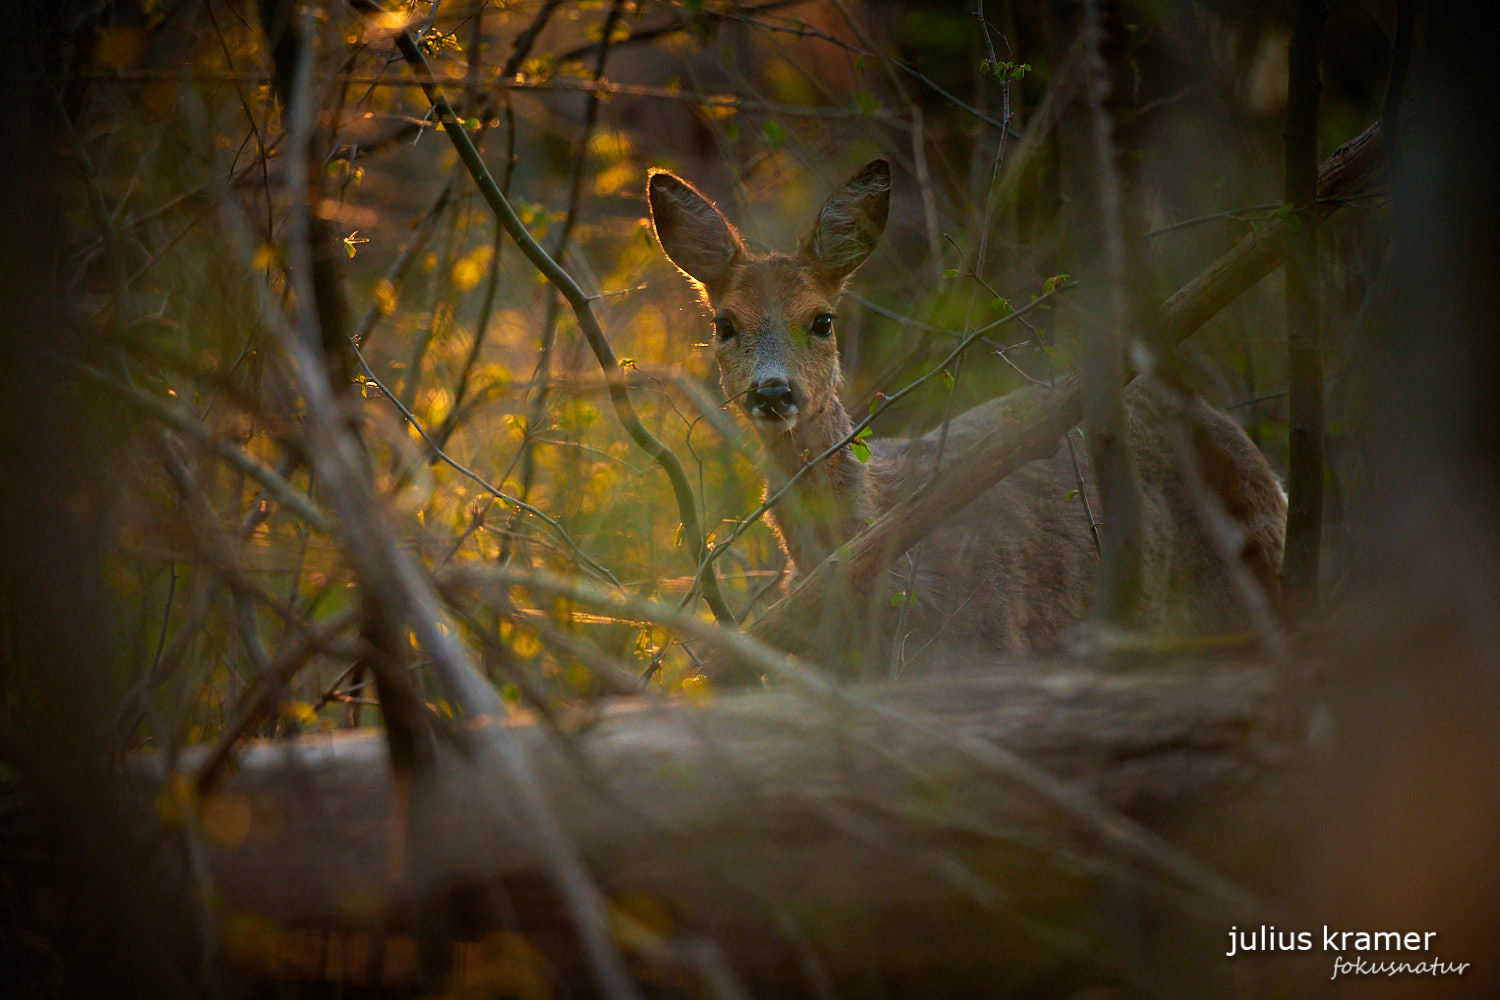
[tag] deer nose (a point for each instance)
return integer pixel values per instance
(772, 396)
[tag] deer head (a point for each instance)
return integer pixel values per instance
(773, 314)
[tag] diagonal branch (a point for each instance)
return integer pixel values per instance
(276, 485)
(579, 300)
(398, 588)
(855, 432)
(1121, 835)
(1355, 168)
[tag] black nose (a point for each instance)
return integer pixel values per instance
(774, 396)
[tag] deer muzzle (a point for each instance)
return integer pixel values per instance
(772, 402)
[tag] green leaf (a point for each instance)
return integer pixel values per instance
(898, 598)
(946, 377)
(864, 432)
(951, 273)
(1070, 495)
(861, 451)
(1001, 304)
(773, 133)
(1053, 283)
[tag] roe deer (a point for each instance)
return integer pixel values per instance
(1011, 571)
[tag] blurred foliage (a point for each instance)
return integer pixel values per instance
(174, 133)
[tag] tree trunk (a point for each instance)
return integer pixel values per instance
(1304, 527)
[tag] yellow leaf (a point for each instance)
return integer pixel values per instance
(697, 689)
(385, 297)
(610, 145)
(226, 819)
(470, 269)
(616, 178)
(299, 712)
(718, 107)
(525, 643)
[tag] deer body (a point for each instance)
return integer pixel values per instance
(1008, 573)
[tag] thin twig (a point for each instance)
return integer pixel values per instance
(1354, 169)
(587, 322)
(804, 30)
(1120, 833)
(673, 27)
(560, 84)
(537, 411)
(583, 557)
(1235, 215)
(884, 404)
(270, 684)
(400, 589)
(279, 489)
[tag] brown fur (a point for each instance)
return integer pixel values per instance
(1008, 573)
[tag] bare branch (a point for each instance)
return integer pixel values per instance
(1120, 834)
(875, 411)
(587, 322)
(439, 454)
(190, 427)
(1354, 168)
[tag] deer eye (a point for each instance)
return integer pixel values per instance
(723, 327)
(822, 325)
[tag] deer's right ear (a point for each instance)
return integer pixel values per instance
(692, 232)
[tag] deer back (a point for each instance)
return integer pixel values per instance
(1012, 570)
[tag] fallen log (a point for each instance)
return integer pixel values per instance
(773, 843)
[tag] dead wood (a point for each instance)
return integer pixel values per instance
(787, 842)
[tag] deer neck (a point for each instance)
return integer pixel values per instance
(831, 501)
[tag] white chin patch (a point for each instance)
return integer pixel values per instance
(782, 422)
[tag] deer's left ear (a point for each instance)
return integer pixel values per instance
(849, 224)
